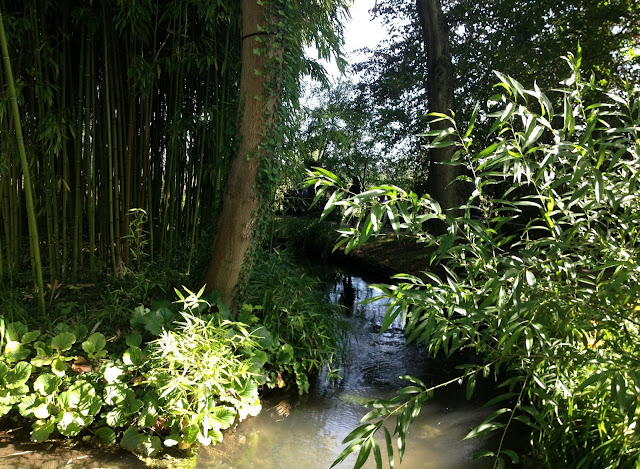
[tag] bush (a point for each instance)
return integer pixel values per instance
(302, 331)
(537, 273)
(186, 382)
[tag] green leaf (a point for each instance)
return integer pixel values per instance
(41, 429)
(387, 438)
(599, 185)
(27, 405)
(132, 439)
(132, 356)
(18, 375)
(150, 446)
(94, 343)
(63, 342)
(59, 367)
(15, 330)
(515, 459)
(46, 384)
(358, 432)
(15, 351)
(112, 373)
(114, 394)
(117, 417)
(222, 418)
(30, 337)
(352, 448)
(71, 423)
(106, 435)
(365, 450)
(190, 433)
(327, 174)
(376, 453)
(134, 340)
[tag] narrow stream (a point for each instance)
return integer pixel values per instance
(306, 432)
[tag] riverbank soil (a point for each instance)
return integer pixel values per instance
(381, 257)
(393, 254)
(17, 451)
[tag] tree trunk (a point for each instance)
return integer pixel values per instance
(435, 31)
(241, 199)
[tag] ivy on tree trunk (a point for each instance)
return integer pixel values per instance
(236, 223)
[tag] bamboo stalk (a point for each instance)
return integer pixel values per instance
(31, 216)
(107, 93)
(79, 187)
(90, 150)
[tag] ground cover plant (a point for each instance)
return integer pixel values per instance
(537, 273)
(182, 378)
(179, 374)
(302, 330)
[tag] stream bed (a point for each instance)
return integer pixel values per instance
(306, 431)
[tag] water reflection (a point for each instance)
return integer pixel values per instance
(306, 431)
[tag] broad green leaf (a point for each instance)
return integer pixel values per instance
(132, 356)
(115, 393)
(15, 330)
(117, 417)
(190, 433)
(94, 343)
(58, 367)
(41, 430)
(63, 342)
(132, 439)
(106, 435)
(222, 418)
(18, 375)
(134, 340)
(71, 423)
(150, 446)
(112, 373)
(30, 337)
(46, 384)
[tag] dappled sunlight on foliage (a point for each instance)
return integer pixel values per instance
(536, 273)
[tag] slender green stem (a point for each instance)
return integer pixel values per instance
(31, 215)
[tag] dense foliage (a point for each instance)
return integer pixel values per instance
(124, 106)
(523, 39)
(538, 274)
(183, 374)
(303, 329)
(171, 382)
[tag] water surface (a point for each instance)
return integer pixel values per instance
(306, 431)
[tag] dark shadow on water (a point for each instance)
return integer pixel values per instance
(306, 431)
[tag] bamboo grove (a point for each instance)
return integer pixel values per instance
(128, 114)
